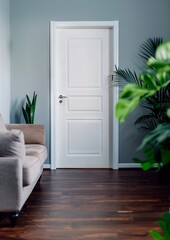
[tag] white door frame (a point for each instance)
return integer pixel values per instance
(114, 26)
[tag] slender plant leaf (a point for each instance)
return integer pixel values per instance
(29, 111)
(143, 118)
(148, 48)
(149, 125)
(28, 100)
(34, 99)
(126, 76)
(25, 115)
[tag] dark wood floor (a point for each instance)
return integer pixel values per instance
(91, 204)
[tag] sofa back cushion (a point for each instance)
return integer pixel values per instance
(12, 144)
(2, 124)
(33, 133)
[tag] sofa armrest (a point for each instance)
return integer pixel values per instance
(33, 133)
(11, 183)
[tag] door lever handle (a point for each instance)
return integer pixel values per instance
(61, 96)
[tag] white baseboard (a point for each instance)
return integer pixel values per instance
(46, 166)
(121, 165)
(129, 165)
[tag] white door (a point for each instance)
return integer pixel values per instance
(82, 65)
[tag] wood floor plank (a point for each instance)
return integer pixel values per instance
(73, 204)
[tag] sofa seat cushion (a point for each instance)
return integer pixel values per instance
(31, 170)
(37, 150)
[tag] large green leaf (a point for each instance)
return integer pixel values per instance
(123, 108)
(157, 136)
(163, 52)
(129, 99)
(149, 80)
(165, 227)
(162, 60)
(156, 235)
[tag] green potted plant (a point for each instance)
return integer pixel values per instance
(29, 110)
(155, 143)
(132, 94)
(155, 106)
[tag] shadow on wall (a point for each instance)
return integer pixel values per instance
(16, 111)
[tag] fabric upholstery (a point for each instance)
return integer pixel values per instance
(2, 124)
(33, 133)
(12, 144)
(19, 173)
(26, 190)
(31, 169)
(37, 150)
(10, 184)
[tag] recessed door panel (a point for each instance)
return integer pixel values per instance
(80, 74)
(84, 137)
(85, 103)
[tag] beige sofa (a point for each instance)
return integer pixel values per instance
(22, 154)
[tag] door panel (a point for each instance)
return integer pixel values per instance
(80, 52)
(84, 137)
(85, 103)
(82, 76)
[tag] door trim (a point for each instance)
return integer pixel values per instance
(114, 26)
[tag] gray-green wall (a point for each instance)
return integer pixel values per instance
(4, 59)
(30, 47)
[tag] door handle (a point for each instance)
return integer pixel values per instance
(61, 96)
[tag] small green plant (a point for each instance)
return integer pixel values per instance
(29, 110)
(165, 226)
